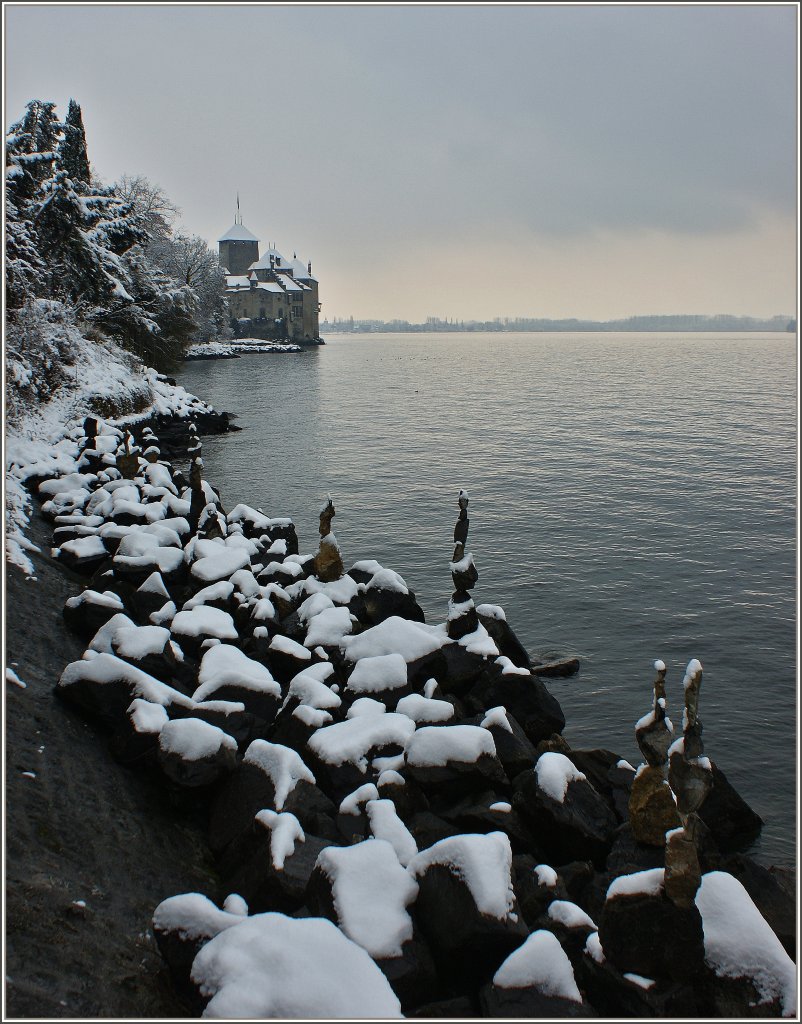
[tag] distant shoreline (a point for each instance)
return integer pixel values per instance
(643, 325)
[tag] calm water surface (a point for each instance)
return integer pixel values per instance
(632, 497)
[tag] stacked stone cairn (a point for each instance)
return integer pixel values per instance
(462, 616)
(328, 561)
(408, 783)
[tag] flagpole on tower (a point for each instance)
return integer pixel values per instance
(239, 216)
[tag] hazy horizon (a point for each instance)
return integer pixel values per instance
(462, 161)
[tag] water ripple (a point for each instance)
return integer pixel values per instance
(632, 497)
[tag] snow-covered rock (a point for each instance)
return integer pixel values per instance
(270, 966)
(738, 942)
(366, 891)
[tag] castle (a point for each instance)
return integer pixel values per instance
(268, 296)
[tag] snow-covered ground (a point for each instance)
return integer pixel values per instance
(242, 346)
(39, 438)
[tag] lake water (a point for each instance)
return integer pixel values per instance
(632, 497)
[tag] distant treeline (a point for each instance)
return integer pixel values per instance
(679, 322)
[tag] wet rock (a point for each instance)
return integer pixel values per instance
(560, 669)
(652, 809)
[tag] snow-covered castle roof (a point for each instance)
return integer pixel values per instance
(264, 262)
(238, 233)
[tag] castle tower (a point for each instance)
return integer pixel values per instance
(238, 249)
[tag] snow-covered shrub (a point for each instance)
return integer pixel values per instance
(42, 343)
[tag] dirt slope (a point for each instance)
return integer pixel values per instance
(84, 828)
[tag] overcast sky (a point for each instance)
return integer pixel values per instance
(454, 160)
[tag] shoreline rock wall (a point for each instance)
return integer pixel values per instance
(407, 783)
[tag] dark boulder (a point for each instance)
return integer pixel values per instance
(513, 748)
(462, 669)
(193, 753)
(557, 669)
(501, 633)
(230, 717)
(149, 597)
(380, 603)
(252, 788)
(182, 925)
(427, 829)
(627, 855)
(525, 1003)
(450, 761)
(484, 812)
(468, 945)
(731, 820)
(645, 933)
(615, 996)
(84, 555)
(580, 826)
(407, 796)
(249, 869)
(90, 610)
(448, 1009)
(768, 895)
(524, 696)
(535, 889)
(412, 976)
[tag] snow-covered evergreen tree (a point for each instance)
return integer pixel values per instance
(73, 240)
(72, 153)
(30, 154)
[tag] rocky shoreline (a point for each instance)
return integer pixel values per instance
(374, 790)
(245, 346)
